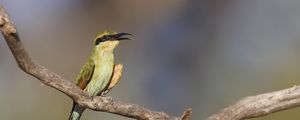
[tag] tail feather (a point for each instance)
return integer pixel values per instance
(76, 112)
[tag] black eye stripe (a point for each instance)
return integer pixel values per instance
(97, 42)
(107, 37)
(102, 39)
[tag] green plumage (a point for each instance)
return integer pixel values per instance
(104, 63)
(95, 75)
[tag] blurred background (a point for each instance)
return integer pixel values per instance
(203, 54)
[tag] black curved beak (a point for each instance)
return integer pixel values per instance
(120, 36)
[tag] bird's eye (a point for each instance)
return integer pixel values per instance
(98, 40)
(102, 39)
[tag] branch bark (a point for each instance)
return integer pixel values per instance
(97, 103)
(260, 105)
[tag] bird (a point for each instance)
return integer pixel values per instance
(99, 74)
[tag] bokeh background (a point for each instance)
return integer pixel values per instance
(203, 54)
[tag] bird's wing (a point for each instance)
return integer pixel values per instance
(85, 74)
(117, 73)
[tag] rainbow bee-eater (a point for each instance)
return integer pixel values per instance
(99, 74)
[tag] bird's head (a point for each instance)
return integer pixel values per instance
(108, 40)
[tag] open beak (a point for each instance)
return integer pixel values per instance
(120, 36)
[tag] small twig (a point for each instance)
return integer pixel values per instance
(187, 114)
(49, 78)
(260, 105)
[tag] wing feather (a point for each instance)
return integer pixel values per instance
(117, 73)
(85, 74)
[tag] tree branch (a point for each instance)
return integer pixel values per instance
(97, 103)
(260, 105)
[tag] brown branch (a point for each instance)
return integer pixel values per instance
(104, 104)
(260, 105)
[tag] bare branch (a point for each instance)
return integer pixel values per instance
(104, 104)
(260, 105)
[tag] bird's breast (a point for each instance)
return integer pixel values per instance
(104, 64)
